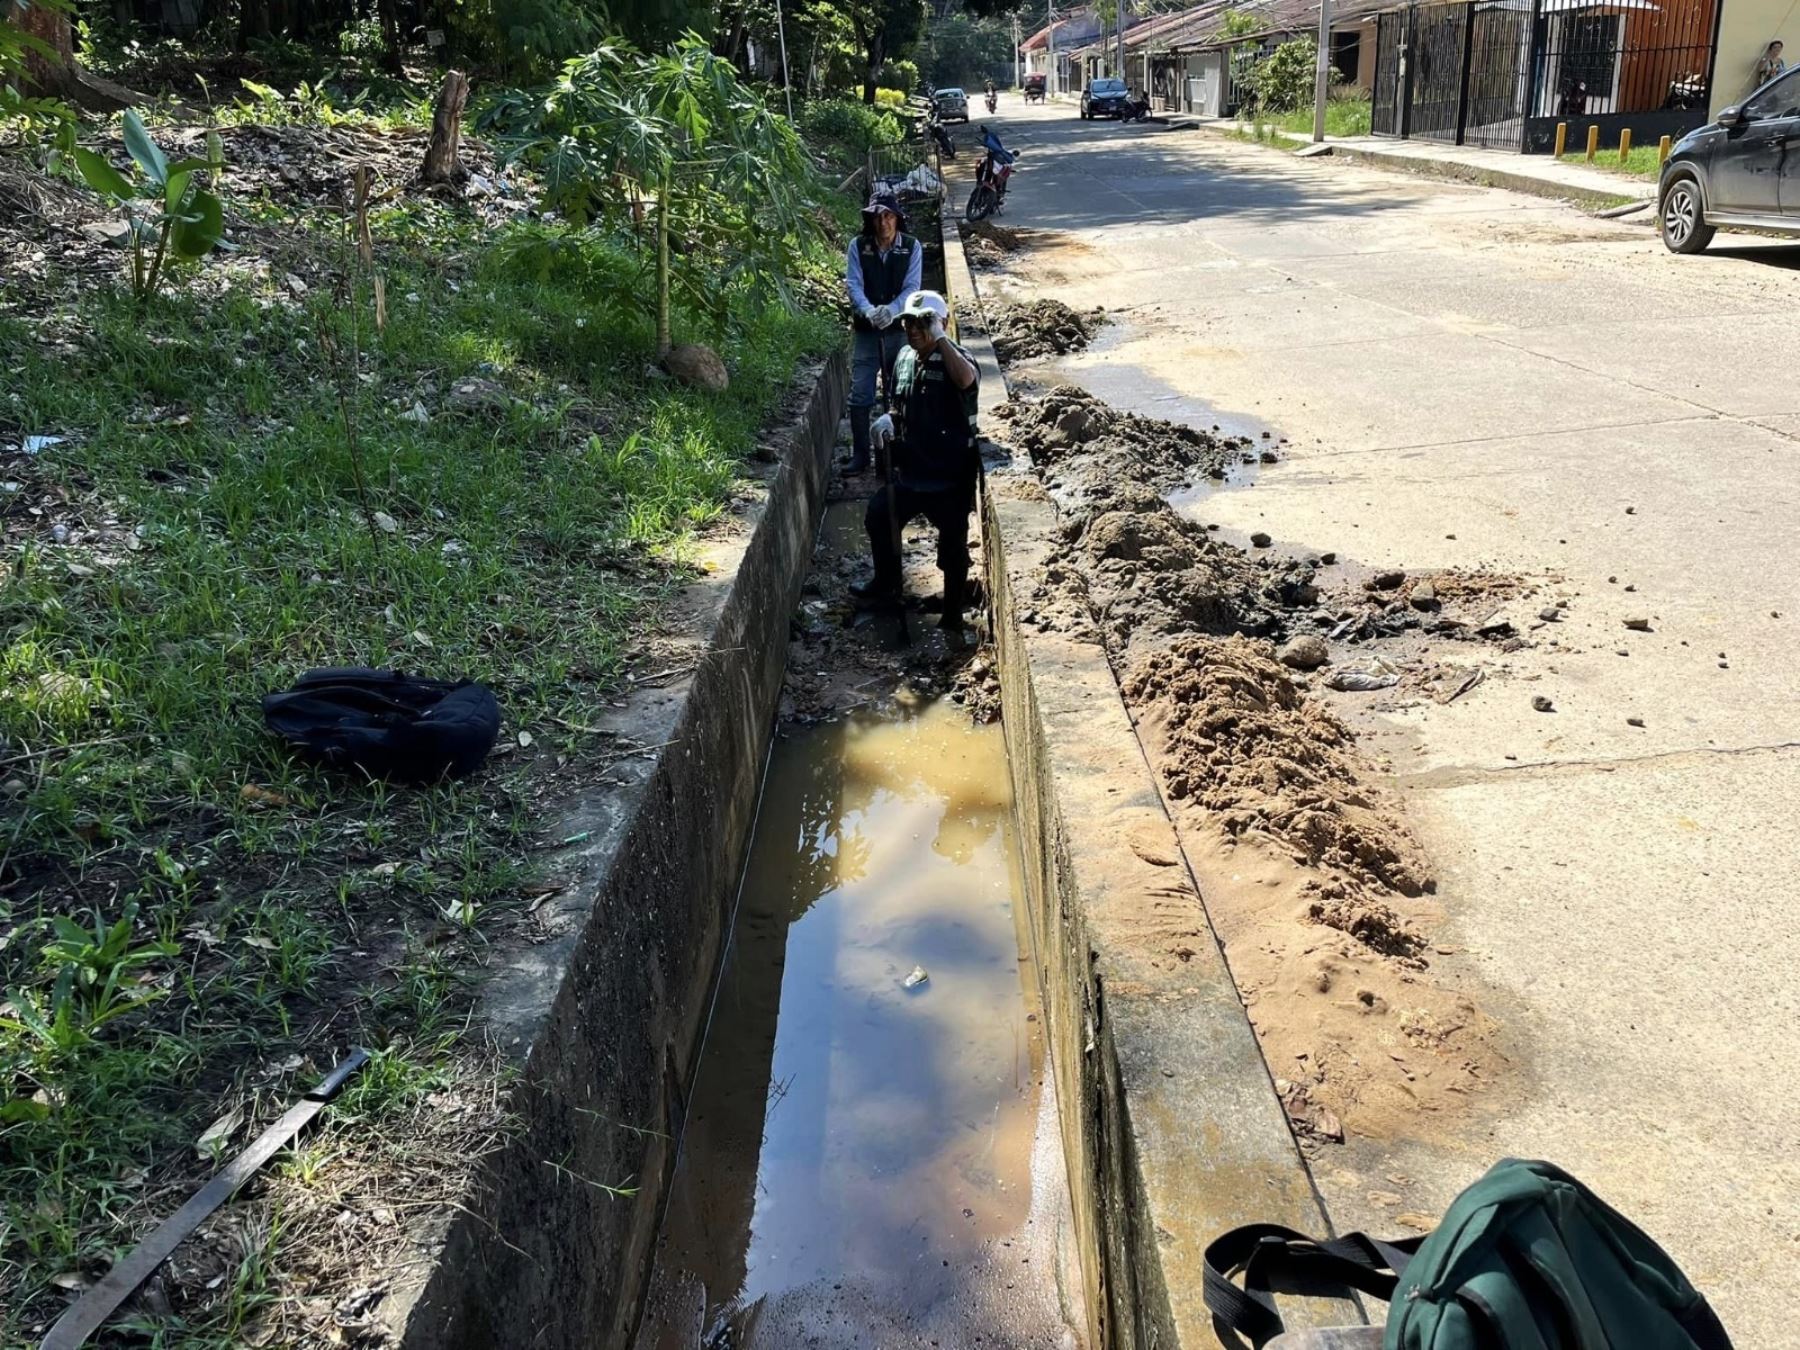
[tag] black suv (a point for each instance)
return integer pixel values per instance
(1743, 169)
(1104, 98)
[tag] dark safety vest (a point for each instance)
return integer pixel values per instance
(884, 279)
(937, 449)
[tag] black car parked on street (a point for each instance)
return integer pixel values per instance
(1104, 98)
(1742, 170)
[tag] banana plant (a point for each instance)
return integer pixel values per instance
(168, 209)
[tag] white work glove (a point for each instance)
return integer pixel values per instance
(937, 329)
(882, 316)
(881, 431)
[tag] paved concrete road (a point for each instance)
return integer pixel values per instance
(1474, 379)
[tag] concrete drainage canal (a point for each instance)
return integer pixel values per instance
(871, 1154)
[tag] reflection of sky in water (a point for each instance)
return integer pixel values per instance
(890, 1131)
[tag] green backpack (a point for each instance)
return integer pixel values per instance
(1527, 1258)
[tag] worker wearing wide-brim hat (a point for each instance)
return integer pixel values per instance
(885, 266)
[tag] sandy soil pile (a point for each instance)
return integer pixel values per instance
(1043, 328)
(1315, 884)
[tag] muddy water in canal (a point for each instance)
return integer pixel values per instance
(871, 1161)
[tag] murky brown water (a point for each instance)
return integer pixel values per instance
(865, 1164)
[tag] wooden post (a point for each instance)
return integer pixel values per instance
(1593, 143)
(1624, 144)
(1562, 139)
(1662, 151)
(443, 157)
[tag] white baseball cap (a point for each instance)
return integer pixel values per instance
(926, 305)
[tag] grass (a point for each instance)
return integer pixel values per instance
(1343, 117)
(199, 538)
(1643, 161)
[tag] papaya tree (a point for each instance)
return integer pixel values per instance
(677, 140)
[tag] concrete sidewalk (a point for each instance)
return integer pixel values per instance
(1539, 175)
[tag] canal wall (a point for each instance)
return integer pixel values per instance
(603, 1020)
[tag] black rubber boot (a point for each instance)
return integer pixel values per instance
(859, 440)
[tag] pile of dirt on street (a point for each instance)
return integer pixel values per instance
(1312, 879)
(1238, 738)
(987, 244)
(1315, 885)
(1083, 447)
(1043, 328)
(1148, 574)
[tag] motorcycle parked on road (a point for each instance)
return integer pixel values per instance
(991, 177)
(935, 130)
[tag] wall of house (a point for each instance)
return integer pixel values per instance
(1365, 54)
(1745, 28)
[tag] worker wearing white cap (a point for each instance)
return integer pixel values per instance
(933, 461)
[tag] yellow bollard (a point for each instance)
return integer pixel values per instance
(1625, 145)
(1593, 143)
(1562, 139)
(1662, 151)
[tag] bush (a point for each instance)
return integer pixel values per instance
(902, 75)
(1285, 81)
(890, 98)
(851, 125)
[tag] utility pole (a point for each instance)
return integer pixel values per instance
(1123, 5)
(1050, 12)
(1018, 77)
(1322, 78)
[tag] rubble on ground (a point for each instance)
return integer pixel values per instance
(1084, 447)
(1043, 328)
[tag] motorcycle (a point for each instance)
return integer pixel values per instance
(1135, 110)
(993, 100)
(935, 130)
(991, 178)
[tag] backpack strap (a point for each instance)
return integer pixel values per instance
(1274, 1260)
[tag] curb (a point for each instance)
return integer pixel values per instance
(1447, 170)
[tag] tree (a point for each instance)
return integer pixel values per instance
(883, 29)
(960, 48)
(37, 56)
(679, 135)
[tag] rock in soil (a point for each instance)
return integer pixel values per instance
(1042, 328)
(1306, 652)
(697, 366)
(1542, 704)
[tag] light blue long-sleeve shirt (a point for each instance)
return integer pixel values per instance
(915, 275)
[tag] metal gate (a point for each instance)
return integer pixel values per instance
(1386, 110)
(1499, 74)
(1503, 73)
(1440, 35)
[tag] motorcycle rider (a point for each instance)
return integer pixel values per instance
(885, 265)
(992, 97)
(934, 464)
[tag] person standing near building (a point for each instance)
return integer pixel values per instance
(1769, 65)
(934, 461)
(885, 266)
